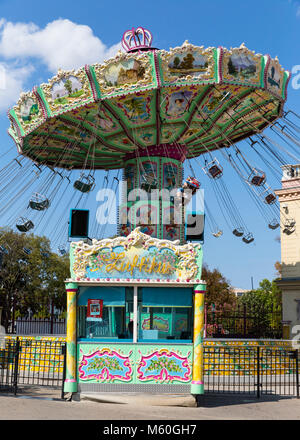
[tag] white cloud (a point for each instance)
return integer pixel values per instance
(298, 11)
(61, 44)
(12, 80)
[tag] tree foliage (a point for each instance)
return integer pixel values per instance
(218, 289)
(268, 295)
(31, 276)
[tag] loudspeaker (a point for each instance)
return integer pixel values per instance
(79, 223)
(194, 226)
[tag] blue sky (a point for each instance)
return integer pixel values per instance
(37, 38)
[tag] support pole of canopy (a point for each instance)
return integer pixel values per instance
(135, 314)
(71, 380)
(197, 386)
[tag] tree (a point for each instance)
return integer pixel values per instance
(218, 289)
(31, 276)
(231, 68)
(278, 267)
(68, 86)
(187, 62)
(268, 295)
(264, 305)
(176, 62)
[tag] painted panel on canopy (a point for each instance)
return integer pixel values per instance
(125, 73)
(136, 109)
(122, 142)
(275, 78)
(188, 64)
(145, 136)
(67, 90)
(96, 118)
(170, 132)
(232, 132)
(14, 135)
(262, 102)
(242, 66)
(71, 130)
(28, 113)
(194, 130)
(62, 137)
(177, 102)
(219, 97)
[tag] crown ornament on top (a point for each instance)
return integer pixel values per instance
(137, 39)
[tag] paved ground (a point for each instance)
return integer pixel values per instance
(38, 404)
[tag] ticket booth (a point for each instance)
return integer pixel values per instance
(135, 316)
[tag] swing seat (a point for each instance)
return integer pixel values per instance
(248, 238)
(215, 171)
(270, 199)
(217, 234)
(24, 225)
(238, 232)
(258, 179)
(289, 223)
(85, 184)
(39, 202)
(288, 231)
(273, 224)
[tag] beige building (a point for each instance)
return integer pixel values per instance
(289, 199)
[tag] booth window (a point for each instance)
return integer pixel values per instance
(166, 314)
(111, 326)
(112, 323)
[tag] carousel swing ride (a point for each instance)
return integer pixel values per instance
(147, 112)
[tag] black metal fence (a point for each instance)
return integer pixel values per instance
(38, 326)
(226, 321)
(243, 321)
(255, 371)
(7, 366)
(29, 362)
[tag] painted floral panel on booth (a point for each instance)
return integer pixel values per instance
(164, 366)
(105, 365)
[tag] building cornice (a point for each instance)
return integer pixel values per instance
(288, 283)
(288, 194)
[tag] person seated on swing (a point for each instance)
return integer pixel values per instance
(189, 188)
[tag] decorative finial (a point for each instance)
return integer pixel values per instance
(136, 39)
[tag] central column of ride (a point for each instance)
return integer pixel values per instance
(151, 180)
